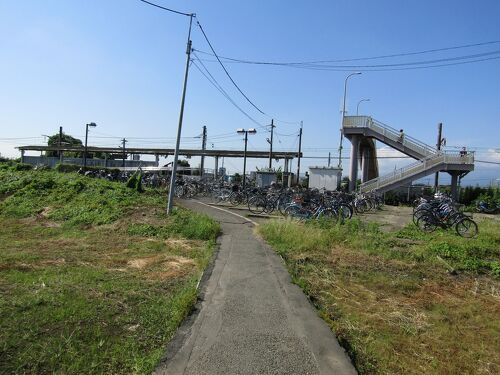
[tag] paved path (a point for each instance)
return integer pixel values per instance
(252, 320)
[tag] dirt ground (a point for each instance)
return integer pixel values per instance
(396, 217)
(391, 218)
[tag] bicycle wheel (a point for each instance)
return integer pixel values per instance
(361, 206)
(283, 203)
(257, 204)
(467, 228)
(426, 223)
(294, 211)
(345, 210)
(179, 191)
(235, 199)
(329, 214)
(418, 213)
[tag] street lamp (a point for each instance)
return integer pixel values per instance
(357, 107)
(92, 125)
(343, 115)
(246, 132)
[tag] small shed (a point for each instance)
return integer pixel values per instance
(265, 178)
(324, 178)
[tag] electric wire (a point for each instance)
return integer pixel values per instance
(331, 69)
(231, 78)
(167, 9)
(214, 82)
(356, 59)
(225, 70)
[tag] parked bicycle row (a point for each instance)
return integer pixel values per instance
(442, 212)
(303, 204)
(295, 202)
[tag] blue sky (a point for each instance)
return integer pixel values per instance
(120, 63)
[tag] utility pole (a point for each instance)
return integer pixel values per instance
(181, 116)
(245, 161)
(124, 153)
(243, 131)
(203, 147)
(300, 148)
(270, 141)
(438, 146)
(60, 144)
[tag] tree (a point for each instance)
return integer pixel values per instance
(237, 178)
(66, 140)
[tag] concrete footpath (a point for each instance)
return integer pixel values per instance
(252, 319)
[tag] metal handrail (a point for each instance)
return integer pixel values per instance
(388, 132)
(421, 165)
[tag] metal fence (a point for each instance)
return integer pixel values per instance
(104, 163)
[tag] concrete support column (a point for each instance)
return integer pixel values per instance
(286, 173)
(106, 160)
(22, 156)
(157, 159)
(365, 163)
(353, 170)
(216, 170)
(454, 185)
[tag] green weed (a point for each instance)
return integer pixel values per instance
(90, 281)
(389, 296)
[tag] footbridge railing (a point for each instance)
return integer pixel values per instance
(449, 157)
(390, 133)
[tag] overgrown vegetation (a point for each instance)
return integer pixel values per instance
(68, 198)
(86, 286)
(404, 302)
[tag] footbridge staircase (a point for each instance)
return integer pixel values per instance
(362, 130)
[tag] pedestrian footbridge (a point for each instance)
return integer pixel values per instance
(363, 130)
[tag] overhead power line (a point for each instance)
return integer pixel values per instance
(225, 70)
(232, 80)
(425, 62)
(167, 9)
(355, 59)
(329, 69)
(214, 82)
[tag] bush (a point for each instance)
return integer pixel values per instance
(22, 167)
(135, 182)
(72, 198)
(67, 168)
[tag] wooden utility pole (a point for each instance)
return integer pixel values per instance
(203, 147)
(181, 117)
(271, 145)
(60, 145)
(124, 156)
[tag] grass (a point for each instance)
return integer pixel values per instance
(403, 302)
(94, 278)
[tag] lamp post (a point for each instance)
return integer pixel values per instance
(343, 115)
(246, 132)
(92, 125)
(357, 107)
